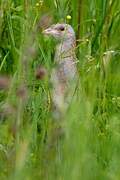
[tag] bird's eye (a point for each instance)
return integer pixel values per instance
(61, 28)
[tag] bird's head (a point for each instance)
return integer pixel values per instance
(60, 32)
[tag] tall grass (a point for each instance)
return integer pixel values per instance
(89, 147)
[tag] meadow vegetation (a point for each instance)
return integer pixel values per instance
(90, 145)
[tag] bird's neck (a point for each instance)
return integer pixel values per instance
(65, 49)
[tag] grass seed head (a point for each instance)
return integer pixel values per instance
(22, 92)
(40, 73)
(4, 82)
(45, 21)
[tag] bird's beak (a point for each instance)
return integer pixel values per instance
(48, 31)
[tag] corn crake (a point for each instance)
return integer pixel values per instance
(63, 76)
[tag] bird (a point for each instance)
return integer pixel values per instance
(64, 74)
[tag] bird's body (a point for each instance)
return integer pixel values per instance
(63, 76)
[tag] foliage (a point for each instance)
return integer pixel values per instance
(29, 145)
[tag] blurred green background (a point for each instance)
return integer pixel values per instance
(90, 146)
